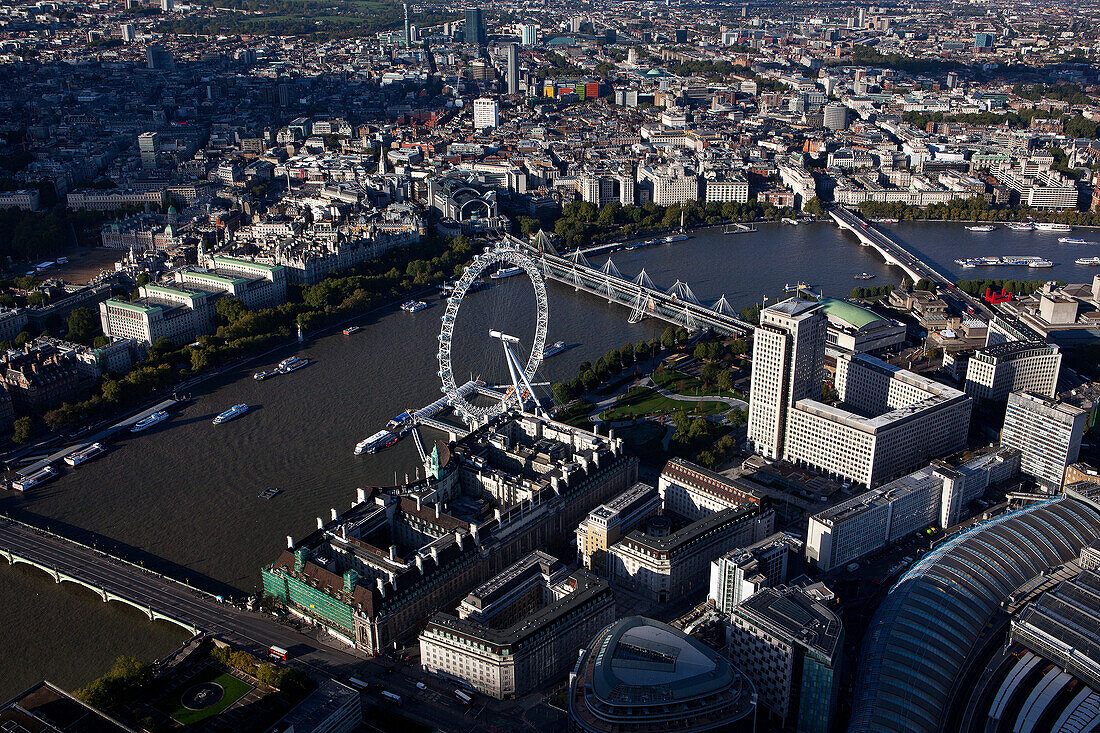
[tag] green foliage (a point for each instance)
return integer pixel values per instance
(751, 314)
(581, 222)
(814, 206)
(83, 325)
(867, 56)
(1062, 92)
(127, 677)
(30, 235)
(871, 293)
(23, 430)
(563, 393)
(230, 310)
(977, 288)
(318, 21)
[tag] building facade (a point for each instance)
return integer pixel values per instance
(742, 572)
(1015, 366)
(607, 523)
(1047, 433)
(519, 630)
(662, 566)
(791, 647)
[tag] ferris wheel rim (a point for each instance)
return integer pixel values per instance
(497, 255)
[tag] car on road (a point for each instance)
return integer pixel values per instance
(421, 686)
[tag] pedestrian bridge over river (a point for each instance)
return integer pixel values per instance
(677, 305)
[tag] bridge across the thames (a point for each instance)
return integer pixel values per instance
(913, 265)
(677, 305)
(159, 597)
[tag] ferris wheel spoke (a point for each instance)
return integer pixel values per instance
(498, 255)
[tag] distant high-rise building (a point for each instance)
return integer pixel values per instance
(952, 79)
(983, 41)
(147, 147)
(529, 34)
(861, 18)
(486, 113)
(836, 116)
(408, 29)
(1046, 432)
(167, 6)
(681, 35)
(129, 33)
(512, 69)
(157, 57)
(475, 27)
(575, 24)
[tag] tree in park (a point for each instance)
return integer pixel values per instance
(23, 430)
(83, 325)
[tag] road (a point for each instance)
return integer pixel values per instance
(961, 301)
(256, 632)
(253, 631)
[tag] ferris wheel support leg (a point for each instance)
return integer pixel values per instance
(530, 389)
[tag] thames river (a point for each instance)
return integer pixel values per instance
(186, 491)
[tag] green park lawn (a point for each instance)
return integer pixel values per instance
(234, 688)
(680, 383)
(643, 401)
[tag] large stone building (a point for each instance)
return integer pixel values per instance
(662, 565)
(935, 495)
(178, 313)
(375, 573)
(607, 523)
(693, 492)
(889, 421)
(520, 629)
(256, 284)
(39, 377)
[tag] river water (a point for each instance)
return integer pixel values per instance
(186, 491)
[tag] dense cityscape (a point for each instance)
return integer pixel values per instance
(611, 368)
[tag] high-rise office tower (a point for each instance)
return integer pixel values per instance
(512, 70)
(147, 147)
(157, 57)
(475, 27)
(167, 6)
(529, 34)
(408, 30)
(1046, 432)
(788, 364)
(129, 33)
(486, 113)
(836, 116)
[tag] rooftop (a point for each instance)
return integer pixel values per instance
(856, 315)
(792, 613)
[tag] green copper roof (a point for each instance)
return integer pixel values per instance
(851, 313)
